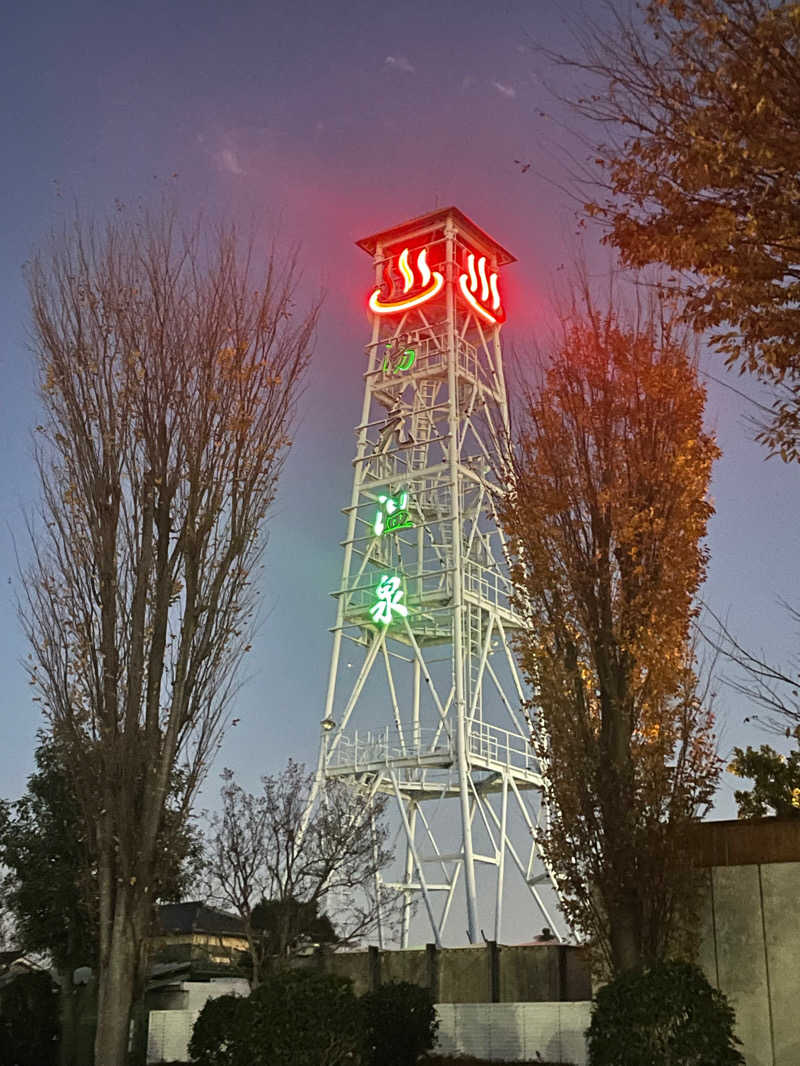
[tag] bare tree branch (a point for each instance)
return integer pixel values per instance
(773, 689)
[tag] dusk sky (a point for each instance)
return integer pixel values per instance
(322, 123)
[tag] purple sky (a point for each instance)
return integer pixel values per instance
(325, 121)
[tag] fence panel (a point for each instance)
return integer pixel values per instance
(168, 1035)
(513, 1032)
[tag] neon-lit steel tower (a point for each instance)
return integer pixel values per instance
(424, 697)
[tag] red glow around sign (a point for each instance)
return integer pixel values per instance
(432, 282)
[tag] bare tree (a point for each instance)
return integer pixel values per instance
(276, 867)
(772, 689)
(169, 368)
(606, 516)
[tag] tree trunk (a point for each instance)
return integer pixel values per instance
(625, 943)
(117, 984)
(255, 958)
(67, 1013)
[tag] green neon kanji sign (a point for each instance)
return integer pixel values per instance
(398, 358)
(392, 514)
(388, 596)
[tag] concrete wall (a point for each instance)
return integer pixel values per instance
(353, 965)
(169, 1031)
(465, 975)
(750, 950)
(413, 965)
(490, 973)
(493, 1000)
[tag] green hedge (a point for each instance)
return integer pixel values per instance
(399, 1024)
(294, 1018)
(301, 1018)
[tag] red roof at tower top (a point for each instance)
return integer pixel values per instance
(433, 221)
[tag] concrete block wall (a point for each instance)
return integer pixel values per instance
(413, 966)
(353, 965)
(532, 974)
(488, 973)
(465, 975)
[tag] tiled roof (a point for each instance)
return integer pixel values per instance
(197, 917)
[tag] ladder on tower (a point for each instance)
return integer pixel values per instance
(474, 634)
(436, 517)
(422, 423)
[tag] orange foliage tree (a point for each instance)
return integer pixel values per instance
(606, 514)
(698, 158)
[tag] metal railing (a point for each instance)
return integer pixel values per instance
(430, 358)
(500, 747)
(421, 746)
(382, 747)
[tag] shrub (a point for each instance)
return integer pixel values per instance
(29, 1021)
(219, 1036)
(294, 1018)
(303, 1018)
(668, 1014)
(399, 1023)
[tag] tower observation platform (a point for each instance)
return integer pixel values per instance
(424, 699)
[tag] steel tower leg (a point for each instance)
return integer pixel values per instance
(458, 606)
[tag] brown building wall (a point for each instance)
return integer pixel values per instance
(746, 842)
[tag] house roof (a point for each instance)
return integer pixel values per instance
(14, 964)
(197, 917)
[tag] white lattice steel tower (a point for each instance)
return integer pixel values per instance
(424, 698)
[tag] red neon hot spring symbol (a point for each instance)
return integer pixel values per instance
(479, 288)
(477, 285)
(419, 285)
